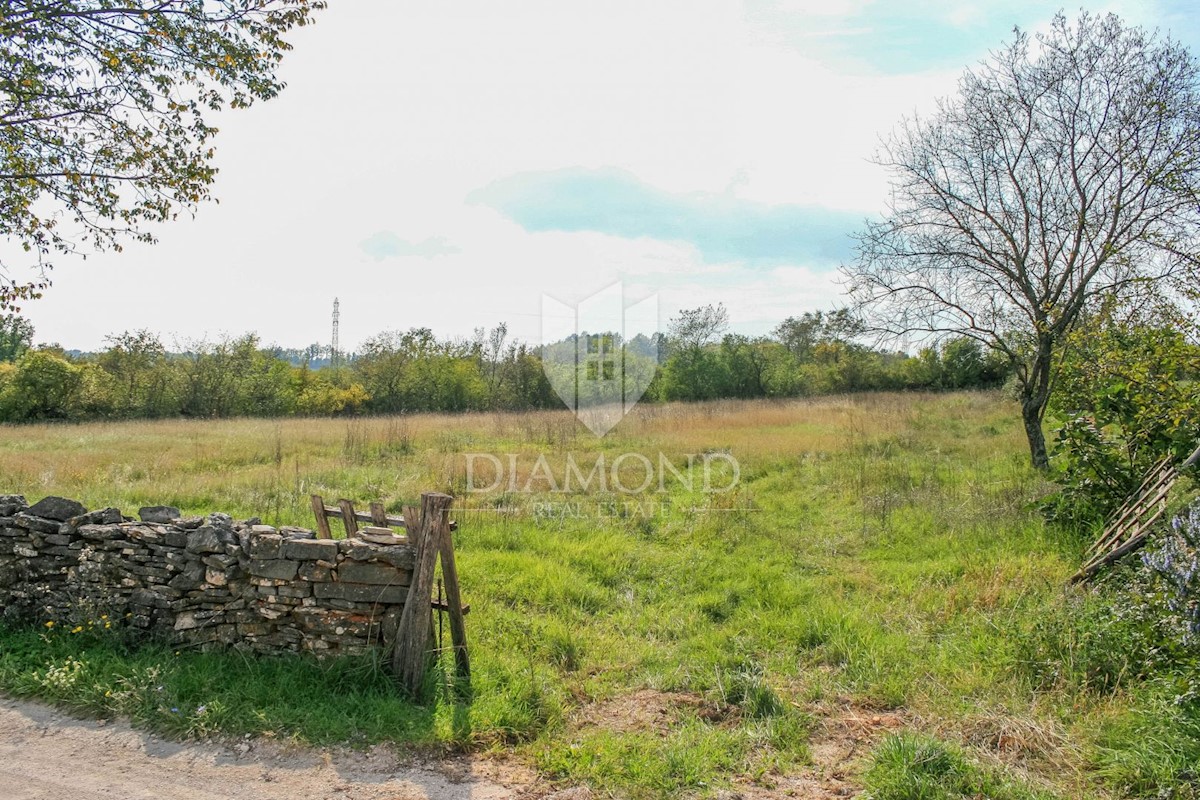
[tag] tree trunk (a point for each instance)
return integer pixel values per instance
(1035, 395)
(1031, 414)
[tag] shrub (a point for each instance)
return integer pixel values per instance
(1126, 397)
(1176, 565)
(1096, 643)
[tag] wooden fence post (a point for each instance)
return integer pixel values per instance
(318, 507)
(348, 518)
(458, 626)
(410, 653)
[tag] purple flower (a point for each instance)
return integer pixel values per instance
(1176, 562)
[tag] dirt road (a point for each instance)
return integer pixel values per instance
(47, 755)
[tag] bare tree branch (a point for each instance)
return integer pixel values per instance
(1065, 169)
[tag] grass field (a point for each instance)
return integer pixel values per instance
(877, 603)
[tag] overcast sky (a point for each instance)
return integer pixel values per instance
(447, 164)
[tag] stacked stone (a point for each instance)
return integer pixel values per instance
(17, 544)
(214, 581)
(206, 582)
(189, 568)
(40, 551)
(123, 568)
(323, 594)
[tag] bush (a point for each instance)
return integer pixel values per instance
(1140, 623)
(1126, 397)
(1176, 565)
(1137, 632)
(1096, 643)
(43, 386)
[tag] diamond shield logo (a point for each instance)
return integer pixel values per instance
(600, 355)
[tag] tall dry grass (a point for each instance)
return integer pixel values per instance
(268, 468)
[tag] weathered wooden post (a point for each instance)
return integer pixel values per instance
(348, 518)
(318, 507)
(454, 606)
(1192, 460)
(410, 653)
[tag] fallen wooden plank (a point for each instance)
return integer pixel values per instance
(1134, 542)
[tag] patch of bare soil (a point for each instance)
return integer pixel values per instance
(47, 755)
(844, 733)
(646, 710)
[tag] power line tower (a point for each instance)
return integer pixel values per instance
(334, 350)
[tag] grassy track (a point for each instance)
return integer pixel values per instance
(881, 559)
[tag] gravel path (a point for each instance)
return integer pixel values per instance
(47, 755)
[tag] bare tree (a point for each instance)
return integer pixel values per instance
(696, 328)
(1065, 169)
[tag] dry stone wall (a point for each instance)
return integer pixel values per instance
(208, 582)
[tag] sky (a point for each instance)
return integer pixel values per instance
(446, 165)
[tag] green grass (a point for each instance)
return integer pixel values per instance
(194, 695)
(914, 767)
(881, 552)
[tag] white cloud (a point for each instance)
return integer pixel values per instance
(386, 244)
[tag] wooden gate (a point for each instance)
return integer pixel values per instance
(428, 532)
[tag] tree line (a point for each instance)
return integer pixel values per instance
(137, 377)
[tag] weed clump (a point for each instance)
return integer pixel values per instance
(908, 766)
(1136, 633)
